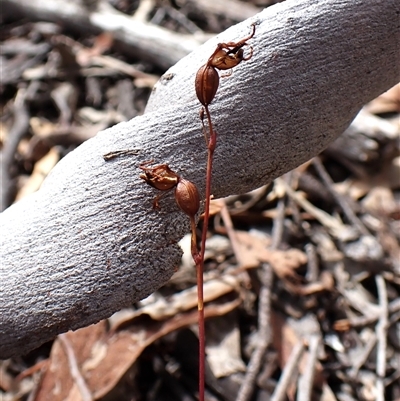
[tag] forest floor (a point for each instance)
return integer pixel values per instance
(302, 275)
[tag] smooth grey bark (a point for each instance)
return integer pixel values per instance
(89, 243)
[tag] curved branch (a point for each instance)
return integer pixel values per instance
(89, 243)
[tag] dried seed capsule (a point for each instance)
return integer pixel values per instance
(206, 83)
(160, 176)
(187, 197)
(225, 61)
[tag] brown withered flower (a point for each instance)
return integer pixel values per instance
(164, 179)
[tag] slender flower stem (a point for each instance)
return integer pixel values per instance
(202, 335)
(225, 57)
(211, 147)
(199, 260)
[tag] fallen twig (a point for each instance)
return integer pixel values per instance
(381, 333)
(288, 372)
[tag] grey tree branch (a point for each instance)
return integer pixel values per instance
(89, 243)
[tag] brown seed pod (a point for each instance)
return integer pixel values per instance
(187, 197)
(206, 84)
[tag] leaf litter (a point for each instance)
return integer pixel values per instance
(302, 282)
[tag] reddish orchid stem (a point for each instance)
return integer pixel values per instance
(211, 147)
(206, 85)
(199, 259)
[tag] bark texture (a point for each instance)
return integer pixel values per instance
(89, 243)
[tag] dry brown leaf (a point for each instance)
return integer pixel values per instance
(353, 188)
(326, 283)
(3, 133)
(215, 206)
(380, 200)
(253, 249)
(57, 383)
(285, 263)
(181, 302)
(341, 325)
(41, 365)
(142, 335)
(388, 102)
(42, 127)
(102, 43)
(103, 357)
(6, 379)
(39, 173)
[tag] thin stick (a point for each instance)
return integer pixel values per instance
(117, 153)
(341, 200)
(306, 380)
(381, 333)
(288, 372)
(362, 358)
(264, 335)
